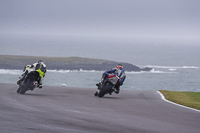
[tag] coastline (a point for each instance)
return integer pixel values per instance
(65, 63)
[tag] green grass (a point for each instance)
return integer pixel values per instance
(189, 99)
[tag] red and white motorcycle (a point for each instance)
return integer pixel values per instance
(108, 85)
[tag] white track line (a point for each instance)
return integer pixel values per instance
(163, 97)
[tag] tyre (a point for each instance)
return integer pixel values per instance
(25, 87)
(18, 90)
(107, 88)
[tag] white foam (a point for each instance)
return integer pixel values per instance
(19, 72)
(173, 67)
(152, 71)
(158, 71)
(59, 71)
(11, 72)
(194, 67)
(68, 71)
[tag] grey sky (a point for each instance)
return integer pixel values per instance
(157, 19)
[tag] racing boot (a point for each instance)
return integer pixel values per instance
(116, 90)
(96, 93)
(40, 83)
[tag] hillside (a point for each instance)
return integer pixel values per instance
(65, 63)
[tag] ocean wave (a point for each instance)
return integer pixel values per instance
(10, 72)
(173, 67)
(158, 71)
(152, 71)
(68, 71)
(19, 72)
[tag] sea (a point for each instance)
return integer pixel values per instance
(175, 64)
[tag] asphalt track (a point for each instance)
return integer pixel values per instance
(77, 110)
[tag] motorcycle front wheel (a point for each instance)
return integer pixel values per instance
(107, 88)
(25, 86)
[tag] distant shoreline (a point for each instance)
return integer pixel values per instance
(65, 63)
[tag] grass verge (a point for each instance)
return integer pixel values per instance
(189, 99)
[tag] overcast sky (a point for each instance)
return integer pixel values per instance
(157, 19)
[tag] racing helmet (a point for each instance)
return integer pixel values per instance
(40, 61)
(119, 66)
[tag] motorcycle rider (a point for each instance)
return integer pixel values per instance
(40, 67)
(119, 71)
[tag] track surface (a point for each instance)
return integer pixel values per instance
(76, 110)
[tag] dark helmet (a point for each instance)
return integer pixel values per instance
(119, 66)
(40, 61)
